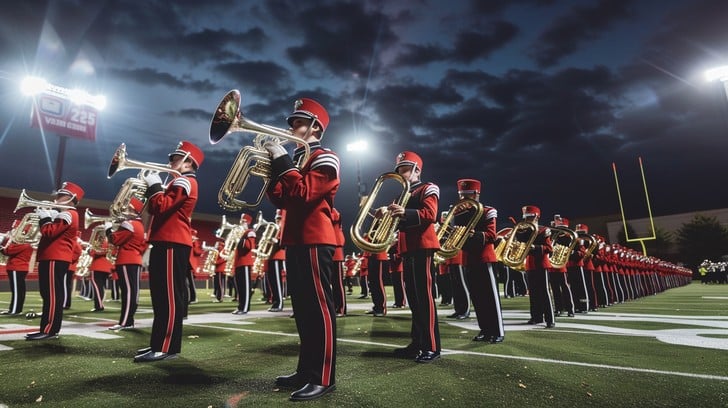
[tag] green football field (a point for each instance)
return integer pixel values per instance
(668, 350)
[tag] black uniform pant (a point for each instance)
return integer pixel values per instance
(400, 298)
(376, 284)
(460, 291)
(220, 280)
(600, 287)
(580, 290)
(563, 298)
(17, 291)
(364, 284)
(274, 276)
(486, 298)
(68, 292)
(243, 287)
(168, 264)
(51, 283)
(98, 282)
(540, 296)
(309, 272)
(191, 289)
(443, 288)
(418, 279)
(337, 288)
(129, 286)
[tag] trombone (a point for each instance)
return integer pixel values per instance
(251, 160)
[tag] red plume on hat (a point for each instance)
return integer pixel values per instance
(468, 186)
(408, 158)
(531, 211)
(582, 228)
(71, 189)
(189, 149)
(309, 109)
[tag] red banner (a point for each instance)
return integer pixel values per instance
(61, 116)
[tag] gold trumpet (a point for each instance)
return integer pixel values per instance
(251, 160)
(515, 250)
(25, 201)
(564, 240)
(452, 237)
(382, 231)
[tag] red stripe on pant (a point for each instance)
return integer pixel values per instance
(171, 307)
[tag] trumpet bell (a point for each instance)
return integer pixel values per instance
(25, 201)
(120, 162)
(226, 117)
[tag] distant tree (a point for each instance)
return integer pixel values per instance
(660, 246)
(702, 238)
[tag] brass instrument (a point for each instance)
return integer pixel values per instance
(27, 231)
(25, 201)
(562, 250)
(224, 227)
(452, 237)
(84, 260)
(3, 257)
(590, 242)
(230, 245)
(90, 219)
(97, 239)
(382, 231)
(133, 187)
(266, 243)
(210, 259)
(251, 160)
(514, 252)
(120, 162)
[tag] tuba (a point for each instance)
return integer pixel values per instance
(382, 232)
(564, 240)
(251, 160)
(25, 201)
(452, 237)
(514, 252)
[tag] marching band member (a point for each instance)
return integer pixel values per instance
(100, 270)
(244, 264)
(195, 254)
(17, 267)
(579, 276)
(276, 266)
(419, 245)
(363, 272)
(459, 287)
(479, 256)
(349, 272)
(55, 251)
(563, 296)
(220, 276)
(537, 266)
(171, 241)
(131, 244)
(307, 195)
(337, 284)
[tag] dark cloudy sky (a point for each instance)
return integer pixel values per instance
(537, 98)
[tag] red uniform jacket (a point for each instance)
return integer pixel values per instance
(349, 265)
(246, 245)
(172, 210)
(395, 258)
(57, 236)
(129, 239)
(418, 224)
(307, 195)
(99, 263)
(538, 256)
(77, 249)
(479, 247)
(195, 254)
(18, 257)
(364, 265)
(340, 240)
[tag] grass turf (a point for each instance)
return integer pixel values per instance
(619, 363)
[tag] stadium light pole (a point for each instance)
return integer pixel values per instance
(358, 147)
(718, 74)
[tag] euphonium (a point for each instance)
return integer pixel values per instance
(515, 251)
(120, 162)
(590, 242)
(25, 201)
(27, 231)
(452, 237)
(210, 259)
(564, 240)
(382, 231)
(251, 160)
(84, 260)
(268, 238)
(132, 187)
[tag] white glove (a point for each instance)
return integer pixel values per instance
(152, 179)
(43, 213)
(275, 150)
(53, 213)
(107, 225)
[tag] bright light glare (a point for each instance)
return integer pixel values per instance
(100, 102)
(358, 146)
(33, 85)
(719, 73)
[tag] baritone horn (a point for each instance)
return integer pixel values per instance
(564, 240)
(251, 160)
(382, 231)
(25, 201)
(120, 162)
(515, 248)
(452, 237)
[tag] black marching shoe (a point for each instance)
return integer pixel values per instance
(481, 337)
(144, 350)
(290, 381)
(41, 336)
(550, 325)
(463, 316)
(495, 339)
(311, 391)
(427, 356)
(152, 356)
(410, 351)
